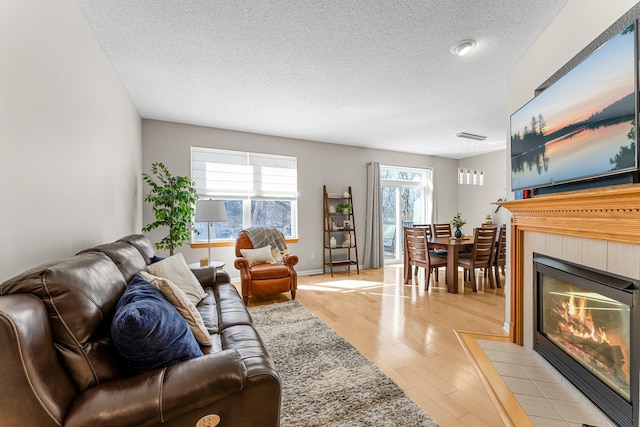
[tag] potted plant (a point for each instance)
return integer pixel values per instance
(173, 200)
(457, 222)
(344, 208)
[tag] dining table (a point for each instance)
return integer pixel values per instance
(453, 246)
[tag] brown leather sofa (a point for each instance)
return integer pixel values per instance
(59, 369)
(264, 279)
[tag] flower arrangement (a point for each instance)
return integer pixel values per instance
(457, 221)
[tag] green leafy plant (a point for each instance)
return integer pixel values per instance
(344, 208)
(173, 200)
(457, 221)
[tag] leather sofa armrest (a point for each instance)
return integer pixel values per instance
(291, 260)
(31, 372)
(241, 264)
(160, 395)
(207, 276)
(222, 277)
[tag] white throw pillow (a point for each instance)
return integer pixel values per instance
(258, 256)
(181, 302)
(175, 268)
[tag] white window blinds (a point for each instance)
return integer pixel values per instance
(227, 174)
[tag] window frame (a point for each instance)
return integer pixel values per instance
(260, 171)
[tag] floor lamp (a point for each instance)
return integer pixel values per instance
(210, 211)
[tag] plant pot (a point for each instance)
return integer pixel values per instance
(457, 233)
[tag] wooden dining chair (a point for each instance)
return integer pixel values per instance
(442, 253)
(481, 255)
(416, 254)
(422, 225)
(500, 254)
(441, 230)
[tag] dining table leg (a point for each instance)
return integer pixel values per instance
(452, 270)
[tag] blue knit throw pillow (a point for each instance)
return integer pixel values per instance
(147, 330)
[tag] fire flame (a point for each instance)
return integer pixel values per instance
(608, 353)
(580, 321)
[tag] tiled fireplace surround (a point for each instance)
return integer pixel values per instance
(599, 228)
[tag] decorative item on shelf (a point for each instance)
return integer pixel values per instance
(344, 208)
(334, 226)
(347, 240)
(457, 222)
(332, 209)
(346, 195)
(332, 242)
(347, 225)
(210, 211)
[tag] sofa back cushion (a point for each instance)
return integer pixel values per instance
(125, 256)
(144, 246)
(80, 294)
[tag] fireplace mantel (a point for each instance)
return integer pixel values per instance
(611, 214)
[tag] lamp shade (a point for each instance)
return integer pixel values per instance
(210, 211)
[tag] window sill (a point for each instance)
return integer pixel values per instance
(221, 244)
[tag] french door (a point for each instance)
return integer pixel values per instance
(404, 203)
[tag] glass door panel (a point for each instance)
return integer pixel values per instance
(390, 223)
(412, 206)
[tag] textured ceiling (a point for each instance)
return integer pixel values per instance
(366, 73)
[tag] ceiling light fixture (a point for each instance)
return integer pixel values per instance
(463, 47)
(471, 136)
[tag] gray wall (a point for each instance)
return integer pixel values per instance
(337, 166)
(70, 142)
(474, 201)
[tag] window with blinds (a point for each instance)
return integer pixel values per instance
(258, 189)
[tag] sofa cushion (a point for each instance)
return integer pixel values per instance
(269, 271)
(180, 301)
(208, 309)
(258, 256)
(148, 332)
(175, 268)
(231, 308)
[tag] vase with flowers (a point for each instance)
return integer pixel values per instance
(457, 222)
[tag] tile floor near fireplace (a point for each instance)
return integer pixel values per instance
(546, 396)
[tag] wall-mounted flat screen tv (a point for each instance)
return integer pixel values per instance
(582, 126)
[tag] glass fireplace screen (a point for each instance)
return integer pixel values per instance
(591, 328)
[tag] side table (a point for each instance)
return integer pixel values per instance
(214, 264)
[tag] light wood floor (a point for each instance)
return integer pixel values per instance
(409, 334)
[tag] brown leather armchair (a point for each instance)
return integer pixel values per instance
(264, 279)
